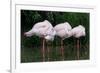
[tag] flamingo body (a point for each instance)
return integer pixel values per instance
(42, 29)
(63, 30)
(78, 31)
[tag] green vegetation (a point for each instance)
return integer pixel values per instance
(31, 47)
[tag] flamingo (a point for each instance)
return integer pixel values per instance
(45, 31)
(63, 30)
(78, 32)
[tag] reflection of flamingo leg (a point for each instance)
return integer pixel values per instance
(62, 49)
(43, 49)
(78, 48)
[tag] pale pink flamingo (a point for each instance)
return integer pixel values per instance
(78, 32)
(45, 31)
(63, 31)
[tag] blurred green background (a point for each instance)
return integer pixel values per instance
(31, 47)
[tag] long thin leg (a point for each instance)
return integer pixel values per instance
(62, 49)
(48, 49)
(56, 49)
(78, 48)
(43, 50)
(75, 46)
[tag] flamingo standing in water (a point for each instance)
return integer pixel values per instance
(45, 31)
(78, 32)
(63, 30)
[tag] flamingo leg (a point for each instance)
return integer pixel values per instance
(62, 49)
(56, 48)
(78, 48)
(48, 49)
(43, 49)
(75, 46)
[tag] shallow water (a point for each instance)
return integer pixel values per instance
(34, 54)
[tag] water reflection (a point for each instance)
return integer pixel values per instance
(53, 53)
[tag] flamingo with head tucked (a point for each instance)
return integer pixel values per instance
(45, 31)
(63, 30)
(78, 32)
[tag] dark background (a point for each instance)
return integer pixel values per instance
(31, 47)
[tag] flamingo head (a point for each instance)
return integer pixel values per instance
(49, 38)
